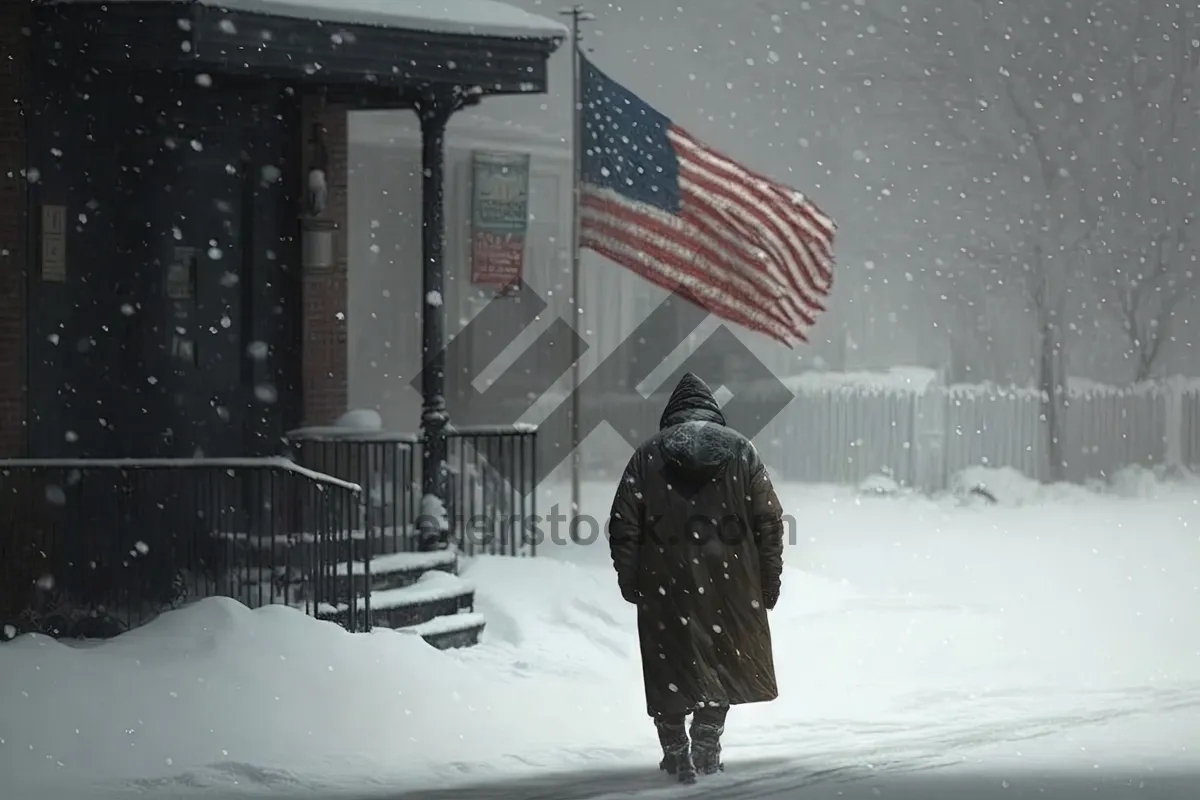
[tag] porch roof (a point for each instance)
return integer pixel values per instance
(396, 44)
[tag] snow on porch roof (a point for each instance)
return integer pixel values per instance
(466, 17)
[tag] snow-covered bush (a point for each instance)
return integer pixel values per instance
(992, 485)
(879, 484)
(1139, 482)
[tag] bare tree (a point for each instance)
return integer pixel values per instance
(1012, 81)
(1152, 207)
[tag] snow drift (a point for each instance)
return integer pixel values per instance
(906, 623)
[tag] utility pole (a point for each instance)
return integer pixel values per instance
(578, 16)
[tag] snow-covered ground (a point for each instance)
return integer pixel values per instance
(1059, 629)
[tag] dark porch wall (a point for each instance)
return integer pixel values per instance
(15, 66)
(130, 356)
(107, 382)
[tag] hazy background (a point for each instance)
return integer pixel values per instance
(1014, 183)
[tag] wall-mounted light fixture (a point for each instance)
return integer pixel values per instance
(317, 235)
(316, 196)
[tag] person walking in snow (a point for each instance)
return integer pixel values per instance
(696, 537)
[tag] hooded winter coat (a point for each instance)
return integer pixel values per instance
(696, 537)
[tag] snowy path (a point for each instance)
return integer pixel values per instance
(941, 762)
(769, 782)
(985, 645)
(924, 650)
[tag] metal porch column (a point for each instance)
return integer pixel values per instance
(434, 110)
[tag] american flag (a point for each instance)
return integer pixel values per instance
(656, 201)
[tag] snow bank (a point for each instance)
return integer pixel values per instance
(215, 694)
(917, 380)
(1010, 487)
(1140, 482)
(1006, 486)
(897, 379)
(907, 624)
(563, 617)
(218, 696)
(1080, 387)
(879, 484)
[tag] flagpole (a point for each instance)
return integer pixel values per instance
(577, 15)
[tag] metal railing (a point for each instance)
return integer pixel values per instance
(491, 501)
(387, 467)
(93, 547)
(492, 493)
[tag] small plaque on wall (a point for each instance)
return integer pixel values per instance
(181, 274)
(54, 243)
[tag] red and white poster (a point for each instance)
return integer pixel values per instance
(499, 217)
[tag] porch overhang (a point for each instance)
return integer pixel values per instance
(150, 58)
(352, 43)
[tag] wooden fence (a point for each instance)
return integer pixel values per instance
(844, 435)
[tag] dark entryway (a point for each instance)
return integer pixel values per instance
(169, 327)
(168, 147)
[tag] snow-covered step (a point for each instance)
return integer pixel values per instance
(418, 593)
(454, 630)
(387, 536)
(396, 570)
(435, 594)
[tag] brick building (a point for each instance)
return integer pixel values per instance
(15, 68)
(173, 279)
(189, 160)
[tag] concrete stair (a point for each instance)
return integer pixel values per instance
(418, 593)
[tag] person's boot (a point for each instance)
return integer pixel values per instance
(677, 756)
(685, 769)
(707, 728)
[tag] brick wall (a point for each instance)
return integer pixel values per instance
(324, 363)
(14, 69)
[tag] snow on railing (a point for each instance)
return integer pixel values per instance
(263, 462)
(491, 471)
(105, 544)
